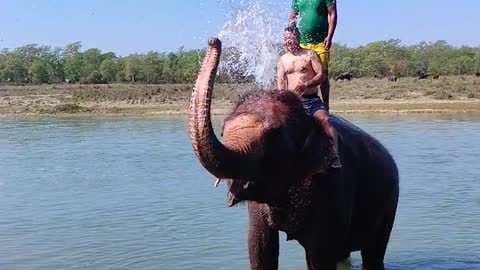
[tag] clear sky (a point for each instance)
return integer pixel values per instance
(129, 26)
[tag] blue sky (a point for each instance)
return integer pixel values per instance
(128, 26)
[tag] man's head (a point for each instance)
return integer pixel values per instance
(291, 39)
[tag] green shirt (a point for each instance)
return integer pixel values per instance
(313, 19)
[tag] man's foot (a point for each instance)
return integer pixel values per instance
(336, 162)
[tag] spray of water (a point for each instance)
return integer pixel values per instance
(253, 36)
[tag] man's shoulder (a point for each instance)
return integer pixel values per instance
(286, 57)
(283, 60)
(309, 53)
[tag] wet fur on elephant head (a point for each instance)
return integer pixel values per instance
(266, 140)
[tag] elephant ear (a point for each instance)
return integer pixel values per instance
(317, 153)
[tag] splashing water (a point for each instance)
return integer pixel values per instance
(253, 37)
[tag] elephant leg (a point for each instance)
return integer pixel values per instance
(327, 245)
(263, 243)
(321, 263)
(374, 254)
(345, 265)
(328, 261)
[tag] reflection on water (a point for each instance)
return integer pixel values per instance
(129, 194)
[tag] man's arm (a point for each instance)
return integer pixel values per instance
(332, 25)
(317, 79)
(281, 78)
(317, 68)
(293, 18)
(294, 14)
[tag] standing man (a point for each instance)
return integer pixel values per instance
(317, 23)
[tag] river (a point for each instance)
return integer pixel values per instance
(128, 193)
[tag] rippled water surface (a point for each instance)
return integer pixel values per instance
(129, 194)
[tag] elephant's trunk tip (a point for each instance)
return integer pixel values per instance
(215, 43)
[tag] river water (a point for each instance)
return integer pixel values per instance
(129, 194)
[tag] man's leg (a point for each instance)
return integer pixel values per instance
(323, 119)
(325, 86)
(325, 90)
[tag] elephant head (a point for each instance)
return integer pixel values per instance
(269, 142)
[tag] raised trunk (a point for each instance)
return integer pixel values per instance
(212, 154)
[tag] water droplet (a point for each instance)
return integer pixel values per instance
(252, 39)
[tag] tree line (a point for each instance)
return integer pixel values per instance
(44, 65)
(390, 58)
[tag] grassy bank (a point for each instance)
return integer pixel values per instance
(447, 94)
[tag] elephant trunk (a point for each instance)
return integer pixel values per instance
(218, 159)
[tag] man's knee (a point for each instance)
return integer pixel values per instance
(322, 117)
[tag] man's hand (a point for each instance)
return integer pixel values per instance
(292, 21)
(332, 25)
(327, 43)
(300, 89)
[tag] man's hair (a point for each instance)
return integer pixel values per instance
(293, 29)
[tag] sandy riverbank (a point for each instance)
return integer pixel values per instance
(408, 95)
(224, 107)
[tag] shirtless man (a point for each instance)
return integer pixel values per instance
(301, 71)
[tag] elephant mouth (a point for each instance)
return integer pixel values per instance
(237, 191)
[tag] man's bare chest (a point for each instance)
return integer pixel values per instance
(298, 65)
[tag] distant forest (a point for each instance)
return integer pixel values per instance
(44, 65)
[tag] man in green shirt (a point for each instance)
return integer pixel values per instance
(317, 23)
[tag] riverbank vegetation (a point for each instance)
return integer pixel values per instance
(35, 64)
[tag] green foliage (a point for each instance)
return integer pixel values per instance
(14, 70)
(40, 72)
(153, 67)
(90, 66)
(387, 58)
(133, 68)
(42, 64)
(108, 70)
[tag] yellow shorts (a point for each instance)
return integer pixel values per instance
(321, 51)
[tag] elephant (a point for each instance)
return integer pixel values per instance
(392, 78)
(276, 161)
(344, 76)
(422, 74)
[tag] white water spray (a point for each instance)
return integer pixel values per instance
(255, 31)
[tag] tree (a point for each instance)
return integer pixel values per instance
(133, 68)
(90, 70)
(42, 64)
(108, 70)
(14, 71)
(40, 72)
(56, 63)
(153, 68)
(73, 68)
(476, 62)
(170, 74)
(188, 66)
(71, 50)
(73, 62)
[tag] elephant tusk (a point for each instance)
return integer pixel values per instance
(217, 182)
